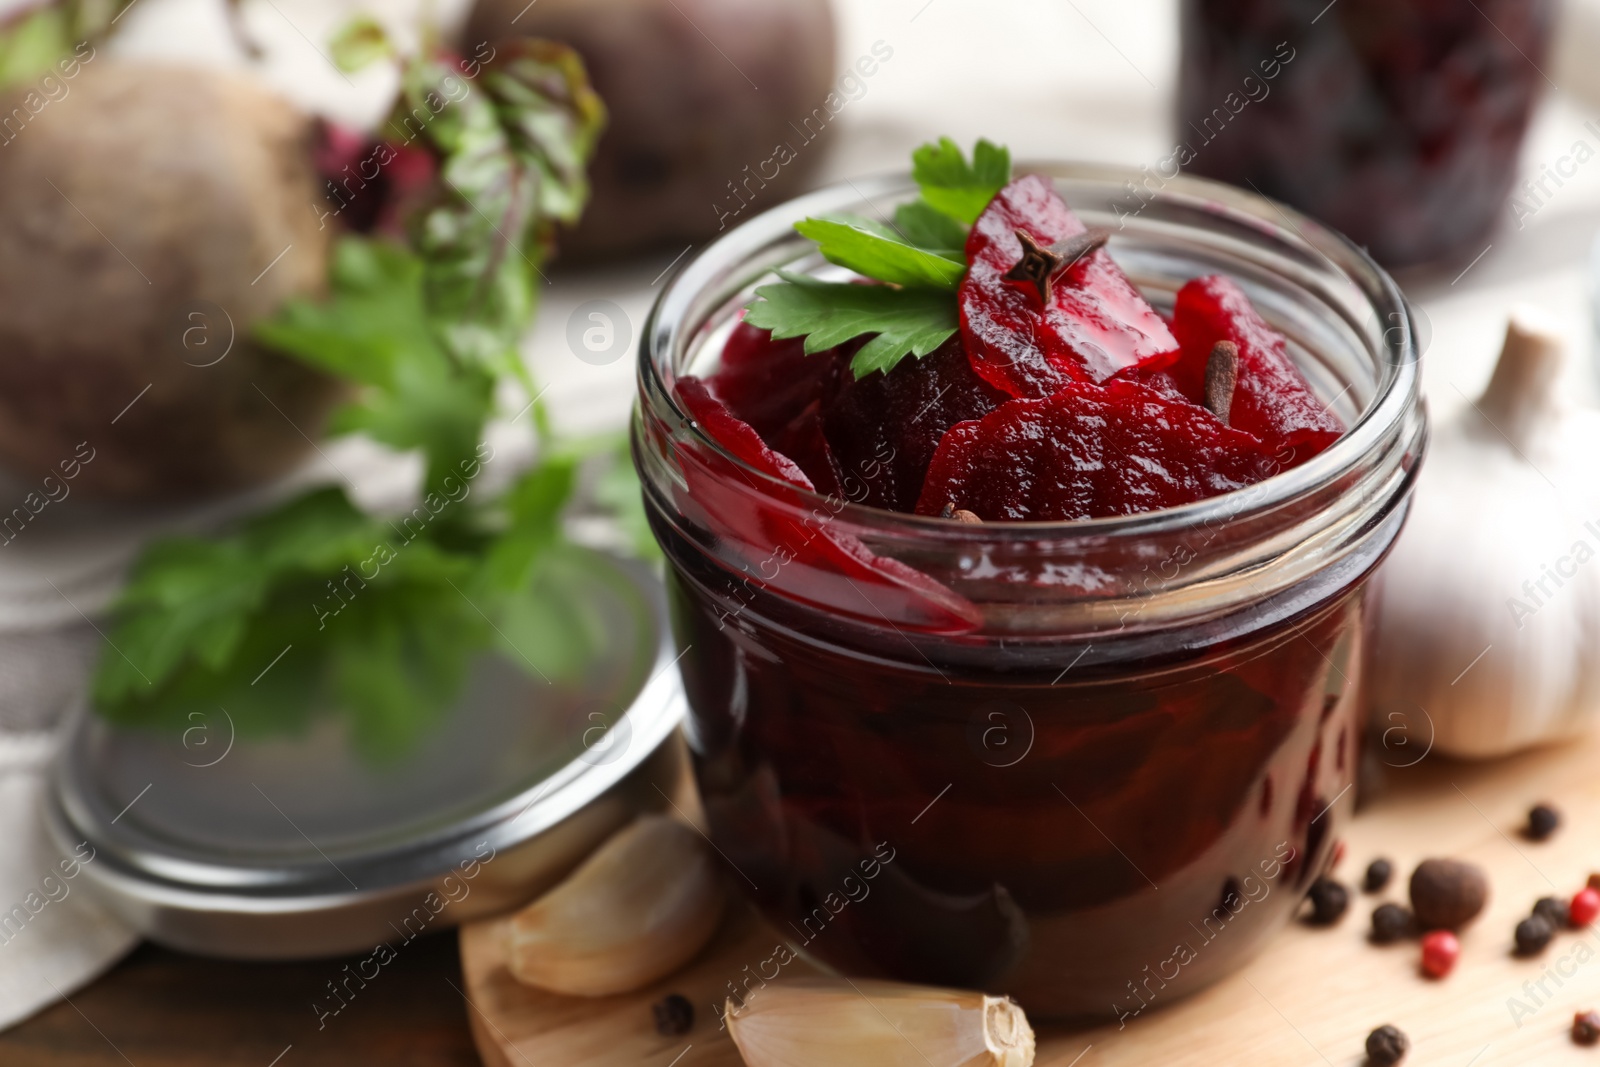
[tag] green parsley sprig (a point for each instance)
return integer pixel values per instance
(318, 604)
(918, 256)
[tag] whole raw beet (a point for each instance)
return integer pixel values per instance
(697, 91)
(144, 217)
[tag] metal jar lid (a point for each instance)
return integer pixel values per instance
(298, 845)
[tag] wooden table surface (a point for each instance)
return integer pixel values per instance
(1309, 999)
(163, 1009)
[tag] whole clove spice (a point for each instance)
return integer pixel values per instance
(1222, 375)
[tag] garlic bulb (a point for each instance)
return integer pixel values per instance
(1488, 611)
(843, 1023)
(637, 910)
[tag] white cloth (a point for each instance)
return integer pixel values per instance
(53, 937)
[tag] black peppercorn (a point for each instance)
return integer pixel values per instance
(674, 1015)
(1552, 910)
(1586, 1028)
(1533, 934)
(1329, 899)
(1390, 922)
(1387, 1046)
(1542, 822)
(1379, 871)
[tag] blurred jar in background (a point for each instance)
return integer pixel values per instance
(1398, 122)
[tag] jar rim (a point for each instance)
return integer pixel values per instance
(1396, 397)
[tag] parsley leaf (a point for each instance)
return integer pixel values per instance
(374, 332)
(955, 187)
(878, 252)
(927, 227)
(921, 259)
(907, 321)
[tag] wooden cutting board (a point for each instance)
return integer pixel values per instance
(1310, 998)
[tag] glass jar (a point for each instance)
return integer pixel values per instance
(1398, 122)
(1094, 764)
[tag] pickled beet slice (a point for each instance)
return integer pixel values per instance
(1089, 451)
(768, 383)
(1095, 325)
(781, 391)
(1271, 400)
(885, 427)
(786, 541)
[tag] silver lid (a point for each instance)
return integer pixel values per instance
(299, 845)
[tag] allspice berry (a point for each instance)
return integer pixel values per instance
(1586, 1028)
(1447, 894)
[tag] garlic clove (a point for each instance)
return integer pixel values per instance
(643, 905)
(842, 1023)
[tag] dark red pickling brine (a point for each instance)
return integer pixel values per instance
(1095, 324)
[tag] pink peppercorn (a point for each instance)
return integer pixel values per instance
(1440, 950)
(1584, 907)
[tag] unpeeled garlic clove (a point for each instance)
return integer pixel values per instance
(636, 911)
(805, 1022)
